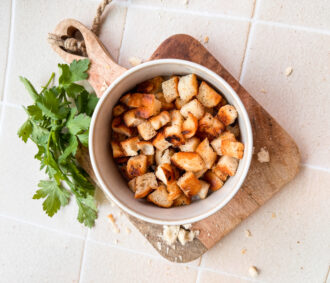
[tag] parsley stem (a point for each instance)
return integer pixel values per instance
(49, 81)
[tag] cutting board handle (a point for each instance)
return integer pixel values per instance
(103, 70)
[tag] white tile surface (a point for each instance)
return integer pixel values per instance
(212, 277)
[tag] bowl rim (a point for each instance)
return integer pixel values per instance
(244, 115)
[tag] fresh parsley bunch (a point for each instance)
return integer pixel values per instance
(58, 124)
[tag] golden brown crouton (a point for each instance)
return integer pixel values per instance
(173, 135)
(146, 131)
(163, 157)
(119, 127)
(206, 152)
(188, 87)
(217, 143)
(200, 174)
(182, 200)
(227, 114)
(170, 89)
(160, 142)
(145, 184)
(179, 103)
(136, 166)
(160, 197)
(131, 120)
(222, 176)
(133, 100)
(146, 112)
(189, 184)
(189, 161)
(160, 120)
(132, 185)
(118, 110)
(190, 145)
(204, 190)
(165, 105)
(146, 147)
(208, 96)
(213, 180)
(228, 165)
(165, 173)
(210, 127)
(173, 191)
(118, 137)
(194, 107)
(130, 146)
(232, 148)
(150, 86)
(176, 118)
(190, 126)
(150, 160)
(117, 150)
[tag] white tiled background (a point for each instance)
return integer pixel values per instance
(256, 40)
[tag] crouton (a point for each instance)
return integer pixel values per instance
(145, 184)
(182, 200)
(170, 89)
(204, 190)
(133, 100)
(189, 161)
(188, 87)
(163, 157)
(227, 165)
(136, 166)
(118, 137)
(234, 129)
(222, 176)
(146, 147)
(200, 174)
(130, 146)
(210, 127)
(160, 197)
(232, 148)
(190, 145)
(208, 96)
(176, 118)
(146, 131)
(165, 173)
(194, 107)
(206, 152)
(227, 114)
(119, 127)
(146, 112)
(150, 160)
(131, 120)
(217, 143)
(165, 105)
(160, 142)
(122, 160)
(173, 134)
(160, 120)
(117, 150)
(118, 110)
(179, 103)
(189, 126)
(213, 180)
(173, 191)
(132, 185)
(150, 86)
(189, 184)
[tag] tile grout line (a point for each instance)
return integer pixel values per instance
(83, 257)
(199, 273)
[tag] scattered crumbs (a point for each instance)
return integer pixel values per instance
(128, 230)
(159, 246)
(301, 267)
(253, 271)
(104, 86)
(186, 226)
(170, 234)
(288, 71)
(206, 39)
(180, 257)
(247, 233)
(114, 225)
(263, 90)
(208, 234)
(134, 61)
(243, 251)
(273, 215)
(263, 155)
(167, 249)
(186, 267)
(298, 242)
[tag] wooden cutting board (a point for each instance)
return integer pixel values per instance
(263, 181)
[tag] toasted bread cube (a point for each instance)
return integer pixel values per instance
(204, 190)
(150, 86)
(174, 191)
(179, 103)
(118, 110)
(146, 112)
(194, 107)
(119, 127)
(160, 120)
(217, 143)
(116, 150)
(117, 137)
(176, 118)
(200, 174)
(130, 146)
(132, 185)
(182, 200)
(160, 142)
(189, 184)
(170, 89)
(165, 105)
(222, 176)
(234, 130)
(163, 157)
(136, 166)
(208, 96)
(190, 145)
(146, 131)
(227, 165)
(210, 127)
(213, 180)
(206, 152)
(190, 126)
(173, 135)
(165, 173)
(146, 147)
(188, 87)
(133, 100)
(160, 197)
(227, 114)
(145, 184)
(189, 161)
(131, 120)
(232, 148)
(122, 160)
(150, 160)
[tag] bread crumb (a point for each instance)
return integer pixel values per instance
(247, 233)
(186, 226)
(104, 86)
(263, 90)
(128, 230)
(114, 225)
(206, 39)
(298, 242)
(253, 271)
(134, 61)
(243, 251)
(170, 234)
(288, 71)
(159, 246)
(186, 267)
(273, 215)
(263, 155)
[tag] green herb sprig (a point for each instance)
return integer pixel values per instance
(58, 124)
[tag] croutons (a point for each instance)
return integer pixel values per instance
(145, 184)
(146, 112)
(118, 110)
(189, 161)
(173, 135)
(232, 148)
(206, 152)
(116, 150)
(200, 174)
(160, 197)
(150, 160)
(170, 89)
(227, 114)
(160, 120)
(132, 185)
(179, 103)
(189, 184)
(182, 200)
(228, 165)
(131, 120)
(165, 173)
(130, 146)
(119, 127)
(146, 131)
(188, 87)
(210, 127)
(153, 85)
(174, 191)
(194, 107)
(160, 142)
(136, 166)
(208, 96)
(162, 157)
(190, 145)
(213, 180)
(146, 147)
(222, 176)
(189, 126)
(204, 190)
(217, 143)
(165, 105)
(176, 118)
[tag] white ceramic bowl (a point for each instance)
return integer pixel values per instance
(107, 173)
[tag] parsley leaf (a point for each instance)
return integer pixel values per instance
(25, 131)
(79, 124)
